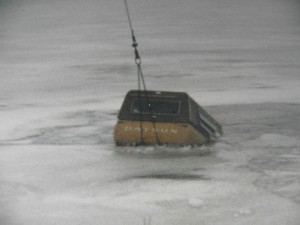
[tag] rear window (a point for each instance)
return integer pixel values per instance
(155, 106)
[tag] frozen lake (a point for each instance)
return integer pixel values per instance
(65, 68)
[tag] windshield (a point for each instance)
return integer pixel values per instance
(155, 106)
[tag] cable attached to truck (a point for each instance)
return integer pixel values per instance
(141, 80)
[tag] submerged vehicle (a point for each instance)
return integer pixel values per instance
(164, 118)
(160, 117)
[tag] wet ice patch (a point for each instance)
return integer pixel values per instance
(243, 212)
(196, 202)
(164, 151)
(67, 128)
(270, 140)
(173, 176)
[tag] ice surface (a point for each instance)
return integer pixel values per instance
(65, 68)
